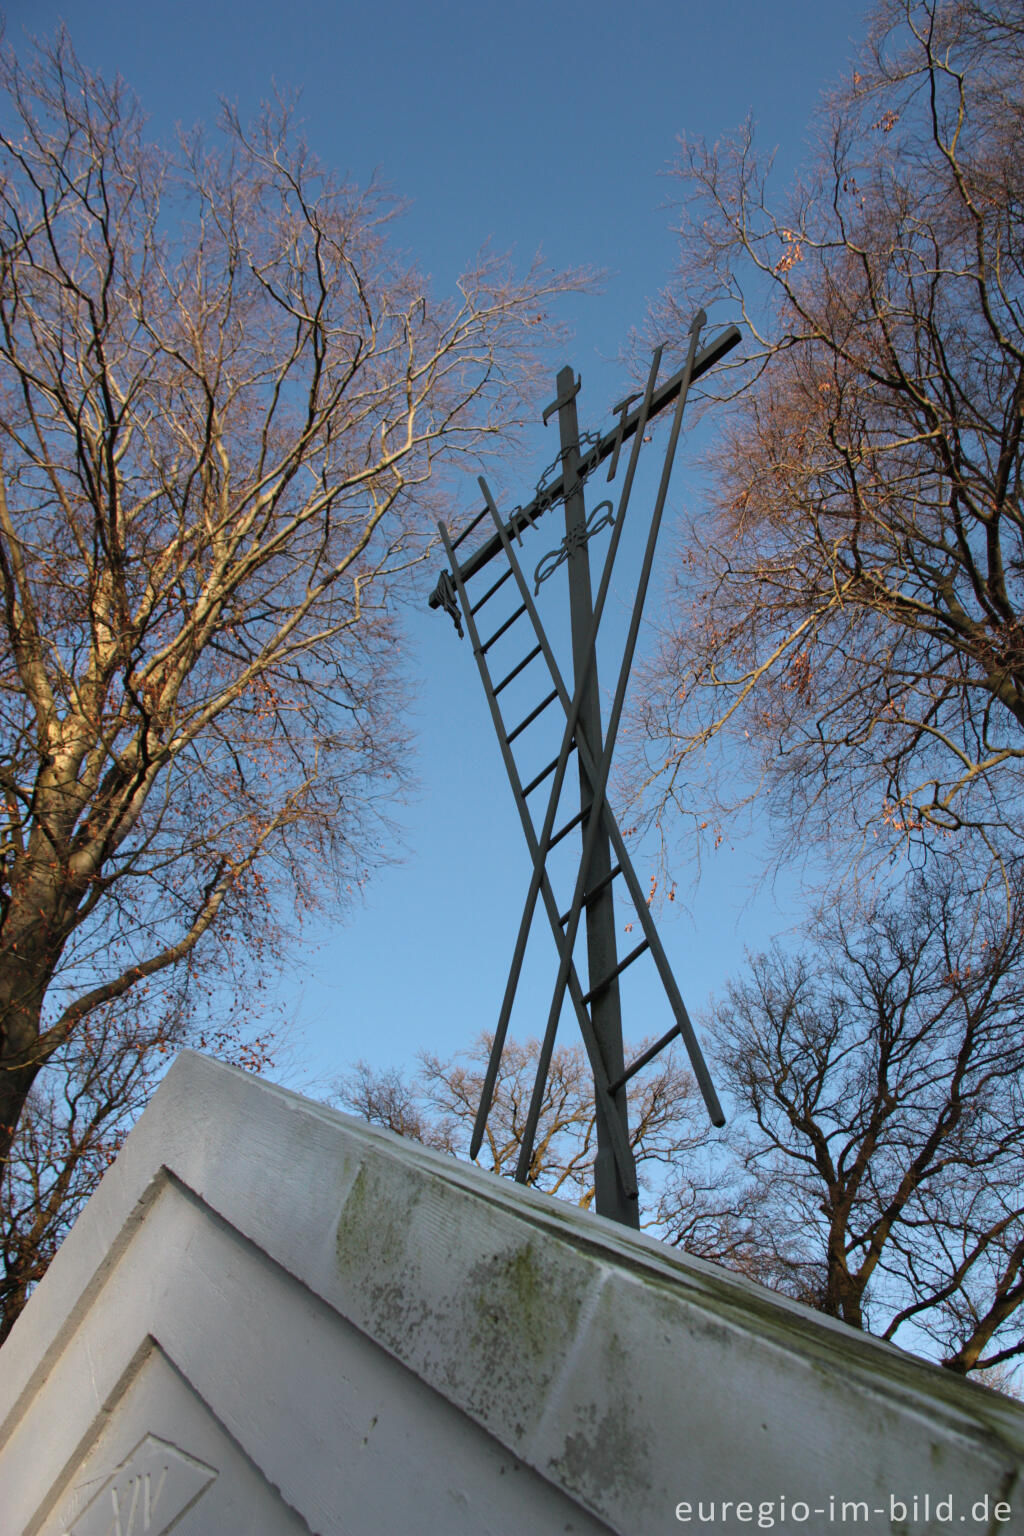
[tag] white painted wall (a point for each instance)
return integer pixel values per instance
(274, 1319)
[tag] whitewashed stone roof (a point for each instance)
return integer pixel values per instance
(272, 1318)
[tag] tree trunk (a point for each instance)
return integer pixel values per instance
(25, 974)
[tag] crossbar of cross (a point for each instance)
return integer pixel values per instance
(609, 445)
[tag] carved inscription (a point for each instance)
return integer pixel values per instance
(146, 1494)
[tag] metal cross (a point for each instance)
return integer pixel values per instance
(604, 856)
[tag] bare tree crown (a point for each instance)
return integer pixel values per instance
(225, 401)
(851, 616)
(880, 1072)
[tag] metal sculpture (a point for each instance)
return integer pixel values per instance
(604, 857)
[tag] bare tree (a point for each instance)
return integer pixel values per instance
(221, 404)
(850, 618)
(81, 1107)
(438, 1107)
(385, 1096)
(880, 1076)
(224, 400)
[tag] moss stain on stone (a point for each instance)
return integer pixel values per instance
(372, 1254)
(607, 1458)
(525, 1317)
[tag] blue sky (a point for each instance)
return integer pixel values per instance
(533, 126)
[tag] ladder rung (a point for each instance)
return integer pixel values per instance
(606, 981)
(544, 773)
(491, 590)
(564, 831)
(469, 527)
(531, 717)
(499, 632)
(648, 1055)
(604, 881)
(516, 670)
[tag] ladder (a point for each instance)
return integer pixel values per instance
(579, 710)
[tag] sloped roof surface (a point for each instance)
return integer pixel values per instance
(274, 1318)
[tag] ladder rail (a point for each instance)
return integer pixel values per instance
(565, 926)
(571, 733)
(600, 782)
(539, 850)
(620, 1145)
(684, 1025)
